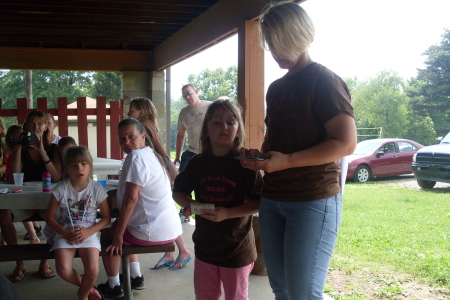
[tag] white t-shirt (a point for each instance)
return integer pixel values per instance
(77, 208)
(191, 120)
(154, 217)
(56, 140)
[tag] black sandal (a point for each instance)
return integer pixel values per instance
(38, 230)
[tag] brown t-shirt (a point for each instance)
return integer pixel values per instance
(222, 181)
(298, 106)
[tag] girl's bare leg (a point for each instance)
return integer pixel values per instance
(89, 257)
(29, 226)
(64, 263)
(183, 253)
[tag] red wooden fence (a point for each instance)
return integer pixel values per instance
(81, 112)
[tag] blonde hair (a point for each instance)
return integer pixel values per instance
(74, 155)
(235, 111)
(286, 29)
(149, 109)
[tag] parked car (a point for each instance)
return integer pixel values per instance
(432, 164)
(380, 158)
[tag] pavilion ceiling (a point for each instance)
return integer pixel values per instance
(95, 24)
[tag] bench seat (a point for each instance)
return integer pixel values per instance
(42, 251)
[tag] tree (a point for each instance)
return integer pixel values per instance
(46, 84)
(431, 90)
(12, 86)
(380, 102)
(352, 83)
(215, 83)
(106, 84)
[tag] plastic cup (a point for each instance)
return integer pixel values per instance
(101, 178)
(18, 178)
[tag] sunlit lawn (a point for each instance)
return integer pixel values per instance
(406, 229)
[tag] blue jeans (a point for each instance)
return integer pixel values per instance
(185, 157)
(298, 239)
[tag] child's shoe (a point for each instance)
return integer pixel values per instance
(106, 291)
(136, 283)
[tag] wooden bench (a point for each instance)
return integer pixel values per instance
(41, 251)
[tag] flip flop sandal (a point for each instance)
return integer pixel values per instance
(184, 261)
(18, 274)
(162, 260)
(43, 272)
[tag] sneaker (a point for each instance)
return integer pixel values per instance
(106, 291)
(136, 283)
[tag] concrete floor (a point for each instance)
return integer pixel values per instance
(160, 284)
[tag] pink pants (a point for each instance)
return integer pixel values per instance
(208, 279)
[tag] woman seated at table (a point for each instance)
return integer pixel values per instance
(32, 160)
(147, 213)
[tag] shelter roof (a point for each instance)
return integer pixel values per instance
(151, 33)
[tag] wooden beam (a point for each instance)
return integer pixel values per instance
(74, 60)
(251, 83)
(214, 25)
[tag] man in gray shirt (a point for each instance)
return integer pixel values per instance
(191, 120)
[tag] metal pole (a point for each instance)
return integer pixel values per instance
(168, 87)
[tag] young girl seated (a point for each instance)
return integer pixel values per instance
(71, 213)
(142, 109)
(224, 241)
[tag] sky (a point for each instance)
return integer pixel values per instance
(354, 38)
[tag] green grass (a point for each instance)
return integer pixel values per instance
(403, 229)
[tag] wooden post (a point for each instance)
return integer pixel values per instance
(63, 119)
(115, 117)
(82, 122)
(22, 110)
(101, 127)
(251, 98)
(251, 83)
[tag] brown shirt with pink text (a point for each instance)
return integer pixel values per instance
(225, 183)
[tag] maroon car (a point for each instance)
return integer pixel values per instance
(380, 158)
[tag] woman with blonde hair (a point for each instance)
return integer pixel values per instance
(33, 159)
(310, 127)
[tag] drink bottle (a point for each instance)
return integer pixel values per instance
(46, 182)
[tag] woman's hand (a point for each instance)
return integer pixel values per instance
(38, 144)
(216, 215)
(80, 234)
(273, 161)
(116, 246)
